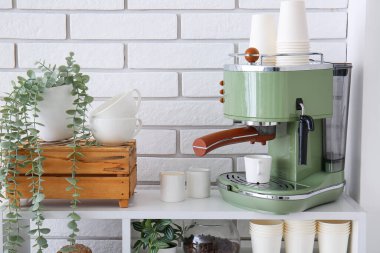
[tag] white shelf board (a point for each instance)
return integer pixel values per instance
(147, 204)
(249, 250)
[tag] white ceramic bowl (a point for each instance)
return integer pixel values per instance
(114, 131)
(123, 105)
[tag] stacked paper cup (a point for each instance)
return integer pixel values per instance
(263, 36)
(333, 236)
(292, 34)
(266, 235)
(299, 236)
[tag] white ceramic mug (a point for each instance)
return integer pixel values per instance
(257, 168)
(116, 131)
(198, 182)
(123, 105)
(172, 186)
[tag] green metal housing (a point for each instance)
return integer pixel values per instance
(261, 96)
(271, 96)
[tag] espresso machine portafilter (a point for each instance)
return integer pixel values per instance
(296, 111)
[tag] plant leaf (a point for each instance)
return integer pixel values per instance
(39, 197)
(137, 226)
(169, 233)
(74, 216)
(45, 230)
(71, 112)
(72, 181)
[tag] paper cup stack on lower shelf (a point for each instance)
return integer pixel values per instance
(266, 235)
(299, 236)
(333, 236)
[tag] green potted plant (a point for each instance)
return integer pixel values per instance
(157, 236)
(20, 147)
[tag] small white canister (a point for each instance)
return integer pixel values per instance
(198, 182)
(172, 186)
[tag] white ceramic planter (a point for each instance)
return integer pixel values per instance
(53, 116)
(169, 250)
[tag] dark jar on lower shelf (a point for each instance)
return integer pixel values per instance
(211, 236)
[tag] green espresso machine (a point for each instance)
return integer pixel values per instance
(301, 113)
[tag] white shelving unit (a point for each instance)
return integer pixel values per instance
(147, 204)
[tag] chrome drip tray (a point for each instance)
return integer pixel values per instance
(279, 196)
(274, 185)
(237, 180)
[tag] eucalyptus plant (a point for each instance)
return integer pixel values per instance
(156, 235)
(20, 145)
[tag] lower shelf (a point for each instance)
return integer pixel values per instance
(249, 250)
(146, 204)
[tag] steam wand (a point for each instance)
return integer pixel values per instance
(306, 124)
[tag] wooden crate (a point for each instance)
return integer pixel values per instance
(103, 173)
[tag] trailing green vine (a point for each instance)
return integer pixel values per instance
(20, 147)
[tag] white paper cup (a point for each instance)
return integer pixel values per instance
(266, 244)
(291, 63)
(266, 234)
(300, 223)
(267, 223)
(258, 168)
(292, 26)
(114, 131)
(198, 182)
(334, 226)
(299, 243)
(300, 229)
(334, 229)
(263, 35)
(334, 223)
(172, 186)
(333, 243)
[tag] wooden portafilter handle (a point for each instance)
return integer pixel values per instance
(207, 143)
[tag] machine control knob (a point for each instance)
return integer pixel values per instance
(221, 100)
(252, 55)
(221, 91)
(221, 83)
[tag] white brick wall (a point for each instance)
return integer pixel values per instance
(150, 84)
(32, 26)
(181, 4)
(150, 167)
(89, 55)
(172, 51)
(7, 55)
(201, 84)
(123, 26)
(237, 25)
(5, 4)
(183, 113)
(157, 142)
(71, 4)
(275, 4)
(179, 55)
